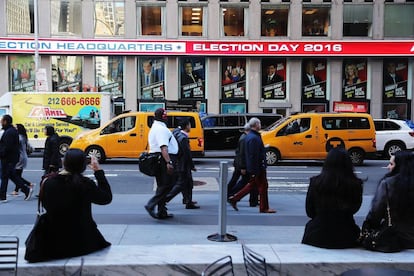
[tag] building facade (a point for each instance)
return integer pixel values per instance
(216, 56)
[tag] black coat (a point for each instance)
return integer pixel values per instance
(184, 161)
(332, 224)
(240, 154)
(51, 155)
(9, 146)
(71, 228)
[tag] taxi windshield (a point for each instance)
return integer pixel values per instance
(277, 123)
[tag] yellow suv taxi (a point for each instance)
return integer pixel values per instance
(312, 135)
(126, 136)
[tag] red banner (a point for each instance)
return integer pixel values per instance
(207, 48)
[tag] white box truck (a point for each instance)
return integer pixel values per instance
(70, 113)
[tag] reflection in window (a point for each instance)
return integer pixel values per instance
(151, 20)
(66, 17)
(67, 73)
(233, 19)
(109, 74)
(20, 16)
(315, 21)
(109, 18)
(357, 20)
(274, 21)
(192, 21)
(399, 20)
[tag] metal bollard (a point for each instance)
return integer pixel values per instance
(222, 236)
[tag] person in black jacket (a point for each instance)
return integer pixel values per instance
(67, 198)
(9, 154)
(183, 167)
(333, 197)
(51, 155)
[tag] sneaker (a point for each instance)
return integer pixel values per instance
(3, 200)
(29, 194)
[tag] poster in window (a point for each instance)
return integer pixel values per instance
(273, 79)
(354, 80)
(192, 77)
(110, 78)
(314, 80)
(151, 72)
(67, 73)
(22, 73)
(395, 79)
(233, 108)
(233, 84)
(395, 111)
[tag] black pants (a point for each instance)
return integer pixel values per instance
(8, 171)
(165, 183)
(19, 172)
(183, 184)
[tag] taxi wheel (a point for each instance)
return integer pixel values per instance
(357, 156)
(272, 156)
(392, 148)
(64, 144)
(97, 152)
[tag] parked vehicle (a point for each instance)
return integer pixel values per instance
(312, 135)
(392, 136)
(222, 131)
(126, 136)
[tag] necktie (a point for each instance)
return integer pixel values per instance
(147, 80)
(312, 80)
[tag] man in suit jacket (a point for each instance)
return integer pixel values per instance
(309, 78)
(271, 76)
(391, 77)
(188, 76)
(147, 76)
(15, 73)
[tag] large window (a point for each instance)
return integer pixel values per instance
(67, 73)
(20, 16)
(109, 74)
(109, 18)
(399, 20)
(66, 17)
(192, 21)
(357, 20)
(274, 21)
(234, 21)
(315, 21)
(151, 20)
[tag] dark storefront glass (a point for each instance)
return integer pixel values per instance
(315, 20)
(274, 21)
(358, 20)
(192, 21)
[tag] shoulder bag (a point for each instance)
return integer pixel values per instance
(149, 163)
(36, 249)
(385, 238)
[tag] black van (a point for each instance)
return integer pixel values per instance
(222, 131)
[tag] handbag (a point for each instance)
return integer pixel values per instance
(36, 249)
(385, 238)
(149, 163)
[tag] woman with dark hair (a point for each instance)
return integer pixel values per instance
(333, 197)
(23, 140)
(67, 198)
(398, 187)
(51, 154)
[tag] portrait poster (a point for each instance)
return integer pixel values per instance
(151, 77)
(192, 72)
(273, 79)
(233, 83)
(395, 79)
(67, 73)
(22, 73)
(354, 79)
(313, 80)
(110, 74)
(395, 111)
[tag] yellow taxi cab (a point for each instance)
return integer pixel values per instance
(126, 135)
(312, 135)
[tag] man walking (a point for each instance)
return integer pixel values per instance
(184, 166)
(9, 154)
(161, 141)
(255, 167)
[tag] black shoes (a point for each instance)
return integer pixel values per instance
(233, 203)
(150, 211)
(164, 215)
(192, 206)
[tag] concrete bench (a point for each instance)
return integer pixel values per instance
(282, 259)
